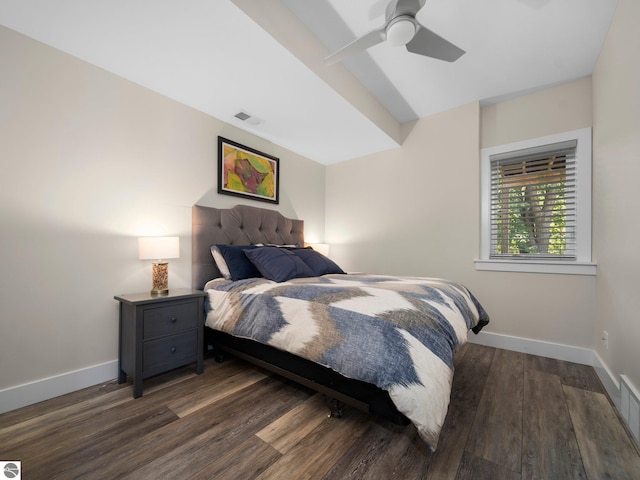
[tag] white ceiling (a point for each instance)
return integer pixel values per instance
(226, 56)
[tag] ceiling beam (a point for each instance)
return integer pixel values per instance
(279, 22)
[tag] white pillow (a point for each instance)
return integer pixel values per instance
(221, 263)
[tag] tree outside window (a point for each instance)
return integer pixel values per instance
(533, 205)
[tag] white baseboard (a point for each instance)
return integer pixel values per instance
(558, 351)
(608, 379)
(33, 392)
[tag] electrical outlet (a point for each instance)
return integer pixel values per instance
(605, 339)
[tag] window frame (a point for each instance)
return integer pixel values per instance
(582, 265)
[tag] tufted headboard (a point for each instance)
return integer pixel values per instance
(240, 225)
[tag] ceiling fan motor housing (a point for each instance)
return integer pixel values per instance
(401, 30)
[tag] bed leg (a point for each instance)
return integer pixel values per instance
(218, 355)
(335, 407)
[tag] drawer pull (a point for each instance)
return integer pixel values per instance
(174, 319)
(173, 349)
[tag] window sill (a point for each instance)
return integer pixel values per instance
(536, 266)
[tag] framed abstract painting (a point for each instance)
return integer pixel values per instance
(245, 172)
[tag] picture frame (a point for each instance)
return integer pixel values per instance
(246, 172)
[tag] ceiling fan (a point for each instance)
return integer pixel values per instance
(402, 28)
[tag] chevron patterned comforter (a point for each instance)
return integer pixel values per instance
(399, 333)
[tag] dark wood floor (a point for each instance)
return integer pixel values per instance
(512, 416)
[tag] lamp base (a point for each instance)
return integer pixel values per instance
(160, 278)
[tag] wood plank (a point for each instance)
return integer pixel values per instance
(496, 434)
(470, 376)
(468, 385)
(550, 449)
(294, 425)
(222, 418)
(237, 417)
(213, 392)
(573, 374)
(607, 451)
(384, 450)
(314, 456)
(50, 419)
(82, 432)
(70, 452)
(476, 468)
(228, 466)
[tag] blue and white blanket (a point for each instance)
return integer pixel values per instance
(399, 333)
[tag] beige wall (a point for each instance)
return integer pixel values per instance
(89, 162)
(553, 308)
(616, 159)
(391, 212)
(553, 110)
(562, 307)
(415, 211)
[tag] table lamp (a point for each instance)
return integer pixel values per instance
(322, 248)
(159, 249)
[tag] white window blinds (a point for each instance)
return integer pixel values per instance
(533, 203)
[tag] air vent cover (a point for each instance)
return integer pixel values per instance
(248, 118)
(242, 116)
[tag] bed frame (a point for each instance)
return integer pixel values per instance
(246, 225)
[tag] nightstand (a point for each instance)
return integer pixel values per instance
(159, 333)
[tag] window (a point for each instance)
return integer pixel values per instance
(536, 205)
(533, 202)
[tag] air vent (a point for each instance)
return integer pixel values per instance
(630, 406)
(248, 118)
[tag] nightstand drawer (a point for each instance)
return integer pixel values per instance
(167, 353)
(159, 333)
(169, 319)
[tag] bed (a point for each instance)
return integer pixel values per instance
(270, 321)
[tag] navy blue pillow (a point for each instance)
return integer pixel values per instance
(233, 263)
(278, 264)
(318, 263)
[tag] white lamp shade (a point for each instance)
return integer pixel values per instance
(322, 248)
(157, 248)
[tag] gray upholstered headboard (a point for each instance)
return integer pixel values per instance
(240, 225)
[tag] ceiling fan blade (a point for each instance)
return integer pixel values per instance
(405, 7)
(368, 40)
(378, 9)
(427, 43)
